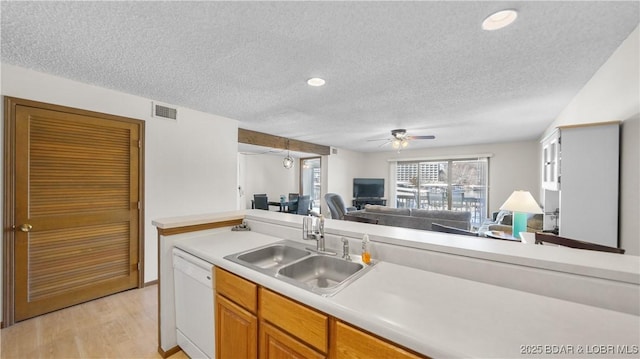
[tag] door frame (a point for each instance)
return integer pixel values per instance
(300, 176)
(8, 220)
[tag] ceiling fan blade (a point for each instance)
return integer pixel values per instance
(379, 139)
(430, 137)
(385, 144)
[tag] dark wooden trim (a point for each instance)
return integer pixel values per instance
(542, 238)
(141, 211)
(150, 283)
(9, 212)
(267, 140)
(198, 227)
(168, 353)
(53, 107)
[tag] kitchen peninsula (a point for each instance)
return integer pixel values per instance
(435, 294)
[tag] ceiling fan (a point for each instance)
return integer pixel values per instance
(399, 139)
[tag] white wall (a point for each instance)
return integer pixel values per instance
(190, 165)
(613, 94)
(342, 168)
(264, 173)
(512, 166)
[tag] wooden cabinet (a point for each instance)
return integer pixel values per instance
(550, 161)
(236, 331)
(307, 324)
(237, 289)
(252, 321)
(236, 321)
(351, 343)
(276, 344)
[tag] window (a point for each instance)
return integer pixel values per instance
(458, 185)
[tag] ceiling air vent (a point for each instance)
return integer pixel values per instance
(163, 111)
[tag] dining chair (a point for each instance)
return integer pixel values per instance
(304, 202)
(260, 201)
(293, 202)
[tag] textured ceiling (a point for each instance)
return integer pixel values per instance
(424, 66)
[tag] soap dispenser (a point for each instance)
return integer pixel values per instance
(366, 254)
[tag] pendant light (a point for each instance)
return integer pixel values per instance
(287, 162)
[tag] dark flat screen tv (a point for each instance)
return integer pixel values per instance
(368, 187)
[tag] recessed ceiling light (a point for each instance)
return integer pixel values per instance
(499, 20)
(315, 81)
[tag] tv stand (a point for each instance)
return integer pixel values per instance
(360, 202)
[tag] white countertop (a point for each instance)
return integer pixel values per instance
(444, 316)
(191, 220)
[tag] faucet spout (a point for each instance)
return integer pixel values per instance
(315, 231)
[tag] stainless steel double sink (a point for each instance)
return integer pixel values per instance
(295, 263)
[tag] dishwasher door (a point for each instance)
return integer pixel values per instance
(194, 285)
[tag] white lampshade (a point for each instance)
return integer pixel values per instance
(521, 201)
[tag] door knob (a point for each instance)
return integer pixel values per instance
(26, 227)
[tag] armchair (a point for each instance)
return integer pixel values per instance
(336, 206)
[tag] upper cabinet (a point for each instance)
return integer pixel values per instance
(582, 162)
(550, 161)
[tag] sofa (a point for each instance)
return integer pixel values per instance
(414, 218)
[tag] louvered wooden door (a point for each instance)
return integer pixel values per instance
(76, 208)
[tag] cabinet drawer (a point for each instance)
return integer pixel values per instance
(307, 324)
(239, 290)
(349, 342)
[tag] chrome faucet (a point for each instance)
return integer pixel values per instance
(345, 249)
(314, 230)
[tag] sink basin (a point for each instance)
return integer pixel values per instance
(321, 272)
(301, 266)
(273, 256)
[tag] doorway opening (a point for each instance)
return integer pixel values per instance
(311, 180)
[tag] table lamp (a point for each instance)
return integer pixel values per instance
(520, 203)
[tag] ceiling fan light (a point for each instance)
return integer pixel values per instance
(404, 143)
(395, 144)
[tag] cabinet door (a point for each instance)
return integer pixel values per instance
(236, 331)
(350, 342)
(550, 162)
(276, 344)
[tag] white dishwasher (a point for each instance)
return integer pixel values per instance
(194, 284)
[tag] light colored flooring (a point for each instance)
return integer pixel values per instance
(123, 325)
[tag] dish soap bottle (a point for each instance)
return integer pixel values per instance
(366, 255)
